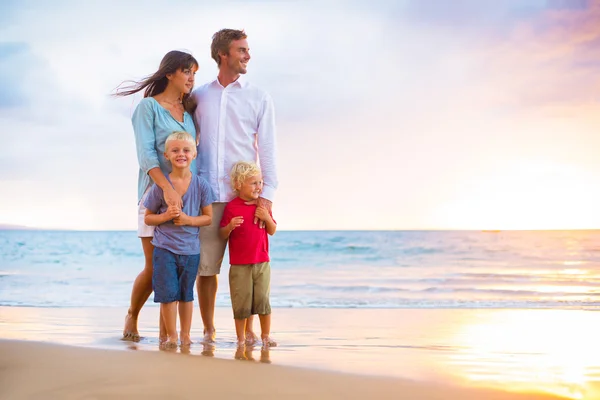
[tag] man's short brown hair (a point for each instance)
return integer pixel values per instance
(222, 40)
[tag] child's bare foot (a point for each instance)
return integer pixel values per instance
(267, 342)
(130, 331)
(240, 352)
(162, 339)
(251, 338)
(170, 343)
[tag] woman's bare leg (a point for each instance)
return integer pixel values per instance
(142, 288)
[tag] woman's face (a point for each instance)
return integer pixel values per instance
(183, 80)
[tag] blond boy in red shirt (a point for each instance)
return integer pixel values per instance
(250, 271)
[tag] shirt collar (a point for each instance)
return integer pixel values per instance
(239, 83)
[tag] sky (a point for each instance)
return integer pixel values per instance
(414, 114)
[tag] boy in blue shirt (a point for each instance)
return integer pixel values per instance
(176, 244)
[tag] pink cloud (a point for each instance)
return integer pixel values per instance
(547, 60)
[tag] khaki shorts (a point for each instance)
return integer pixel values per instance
(249, 286)
(212, 247)
(143, 229)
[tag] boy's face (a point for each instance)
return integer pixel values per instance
(251, 188)
(180, 153)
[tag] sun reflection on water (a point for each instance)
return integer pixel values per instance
(550, 351)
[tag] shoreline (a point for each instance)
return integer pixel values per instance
(54, 371)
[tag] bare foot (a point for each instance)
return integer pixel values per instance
(267, 342)
(251, 338)
(209, 337)
(170, 343)
(130, 331)
(240, 352)
(169, 346)
(185, 340)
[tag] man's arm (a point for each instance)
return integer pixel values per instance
(267, 153)
(267, 148)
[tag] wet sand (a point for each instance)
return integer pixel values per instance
(323, 353)
(33, 370)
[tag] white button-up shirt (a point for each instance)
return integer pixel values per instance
(234, 123)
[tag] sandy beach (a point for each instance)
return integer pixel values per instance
(45, 371)
(75, 353)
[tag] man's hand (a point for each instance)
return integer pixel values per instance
(262, 214)
(264, 203)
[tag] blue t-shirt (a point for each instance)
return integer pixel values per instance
(182, 240)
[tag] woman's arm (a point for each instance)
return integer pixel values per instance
(145, 138)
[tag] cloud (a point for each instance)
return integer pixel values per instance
(16, 64)
(548, 59)
(401, 103)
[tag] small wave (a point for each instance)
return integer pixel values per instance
(346, 289)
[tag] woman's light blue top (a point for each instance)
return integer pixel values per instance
(152, 124)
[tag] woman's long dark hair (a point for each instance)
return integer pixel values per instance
(156, 83)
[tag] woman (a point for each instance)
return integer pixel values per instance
(161, 111)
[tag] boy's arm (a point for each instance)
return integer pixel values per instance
(271, 226)
(229, 223)
(201, 220)
(153, 219)
(226, 230)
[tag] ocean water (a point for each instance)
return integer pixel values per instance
(328, 269)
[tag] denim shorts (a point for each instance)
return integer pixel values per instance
(174, 276)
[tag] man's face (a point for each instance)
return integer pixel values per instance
(237, 59)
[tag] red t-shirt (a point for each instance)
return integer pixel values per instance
(248, 243)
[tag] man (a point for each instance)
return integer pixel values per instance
(235, 122)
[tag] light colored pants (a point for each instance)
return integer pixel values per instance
(212, 247)
(249, 286)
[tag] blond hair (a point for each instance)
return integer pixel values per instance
(180, 135)
(241, 171)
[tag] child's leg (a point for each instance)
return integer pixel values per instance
(187, 272)
(169, 314)
(261, 276)
(240, 331)
(250, 335)
(165, 284)
(240, 288)
(265, 326)
(186, 309)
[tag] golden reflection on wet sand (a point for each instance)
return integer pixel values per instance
(551, 351)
